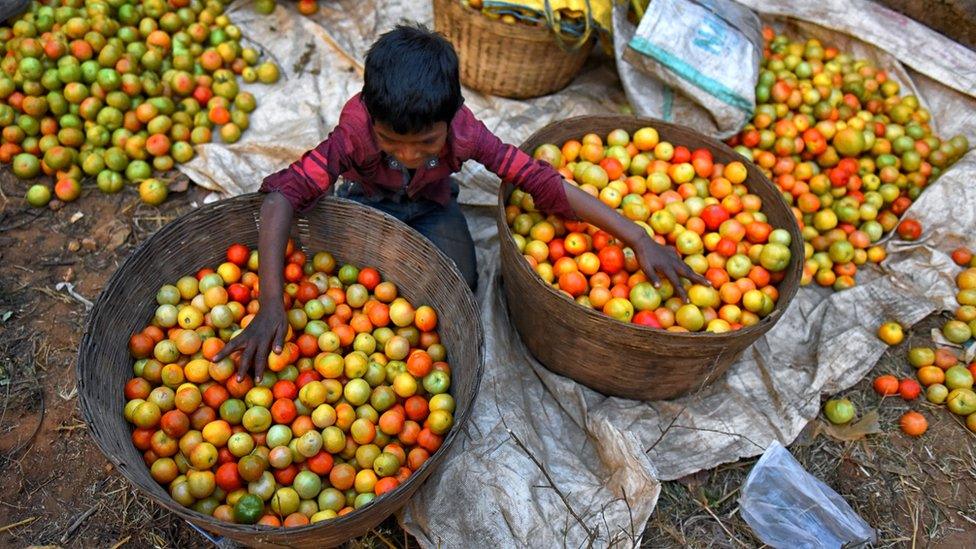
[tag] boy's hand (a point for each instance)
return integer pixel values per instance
(655, 258)
(269, 326)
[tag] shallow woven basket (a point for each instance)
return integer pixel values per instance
(353, 233)
(518, 61)
(622, 359)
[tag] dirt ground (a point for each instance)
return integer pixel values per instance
(56, 488)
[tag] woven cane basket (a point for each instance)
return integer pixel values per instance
(621, 359)
(517, 61)
(353, 233)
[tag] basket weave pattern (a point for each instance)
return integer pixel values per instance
(352, 233)
(621, 359)
(517, 61)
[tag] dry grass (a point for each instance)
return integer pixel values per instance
(912, 491)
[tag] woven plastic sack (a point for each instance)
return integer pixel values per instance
(594, 14)
(788, 507)
(707, 50)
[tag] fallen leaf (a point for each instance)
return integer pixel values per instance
(118, 238)
(113, 234)
(179, 185)
(867, 425)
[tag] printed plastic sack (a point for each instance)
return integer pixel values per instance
(708, 50)
(648, 95)
(788, 507)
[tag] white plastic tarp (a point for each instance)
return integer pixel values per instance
(546, 461)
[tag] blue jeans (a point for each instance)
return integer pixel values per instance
(445, 226)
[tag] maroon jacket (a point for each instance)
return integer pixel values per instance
(351, 151)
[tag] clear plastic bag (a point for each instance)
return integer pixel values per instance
(788, 507)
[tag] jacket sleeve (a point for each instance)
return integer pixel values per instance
(307, 179)
(536, 177)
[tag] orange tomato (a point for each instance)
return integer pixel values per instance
(886, 385)
(913, 424)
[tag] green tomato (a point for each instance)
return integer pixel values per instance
(839, 410)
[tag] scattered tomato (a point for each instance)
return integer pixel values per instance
(913, 424)
(891, 333)
(886, 385)
(839, 410)
(909, 389)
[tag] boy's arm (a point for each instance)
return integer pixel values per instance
(269, 326)
(552, 194)
(295, 188)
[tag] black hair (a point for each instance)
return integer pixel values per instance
(412, 79)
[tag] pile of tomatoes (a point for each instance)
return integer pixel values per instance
(115, 89)
(961, 329)
(571, 22)
(848, 152)
(946, 381)
(356, 402)
(681, 198)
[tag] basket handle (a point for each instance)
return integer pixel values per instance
(554, 25)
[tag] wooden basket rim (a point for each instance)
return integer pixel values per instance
(527, 33)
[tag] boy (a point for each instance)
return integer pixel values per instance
(398, 142)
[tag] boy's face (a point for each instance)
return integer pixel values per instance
(412, 149)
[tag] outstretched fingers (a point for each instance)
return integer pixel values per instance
(260, 362)
(231, 346)
(675, 280)
(247, 357)
(689, 273)
(279, 338)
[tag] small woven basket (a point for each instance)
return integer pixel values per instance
(353, 233)
(622, 359)
(517, 61)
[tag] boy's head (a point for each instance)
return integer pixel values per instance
(412, 91)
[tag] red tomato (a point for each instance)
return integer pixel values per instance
(369, 277)
(757, 232)
(713, 216)
(601, 239)
(726, 247)
(556, 249)
(613, 167)
(900, 205)
(909, 229)
(306, 377)
(239, 293)
(228, 478)
(681, 155)
(909, 389)
(321, 463)
(202, 94)
(646, 318)
(886, 385)
(284, 389)
(287, 475)
(962, 256)
(306, 291)
(611, 259)
(293, 272)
